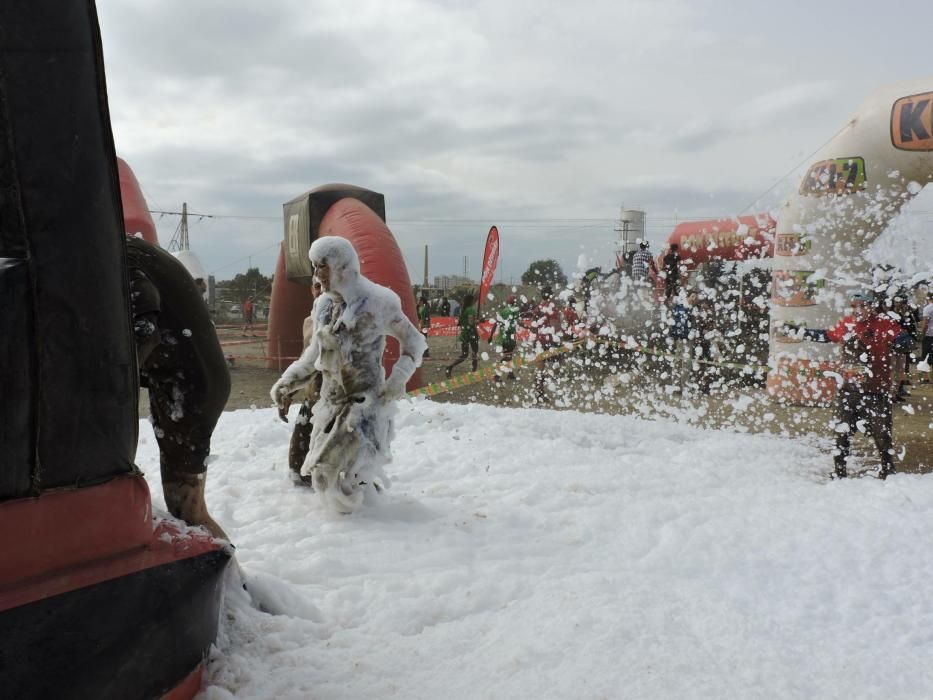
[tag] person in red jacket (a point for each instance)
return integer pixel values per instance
(863, 400)
(248, 315)
(570, 320)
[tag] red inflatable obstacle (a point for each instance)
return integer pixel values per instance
(97, 600)
(741, 238)
(358, 215)
(289, 306)
(136, 216)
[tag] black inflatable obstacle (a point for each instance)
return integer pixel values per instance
(95, 600)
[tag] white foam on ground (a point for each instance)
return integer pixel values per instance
(543, 554)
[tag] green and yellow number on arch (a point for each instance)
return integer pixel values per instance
(835, 176)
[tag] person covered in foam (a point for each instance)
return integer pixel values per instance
(352, 419)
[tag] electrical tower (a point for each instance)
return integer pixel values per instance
(180, 238)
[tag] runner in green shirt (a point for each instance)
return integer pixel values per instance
(503, 331)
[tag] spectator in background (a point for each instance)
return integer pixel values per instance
(424, 319)
(469, 336)
(445, 306)
(678, 336)
(926, 338)
(671, 274)
(546, 326)
(907, 318)
(702, 334)
(248, 310)
(570, 321)
(503, 334)
(643, 263)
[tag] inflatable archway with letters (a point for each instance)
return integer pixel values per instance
(733, 239)
(857, 183)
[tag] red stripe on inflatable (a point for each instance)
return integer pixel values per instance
(380, 260)
(189, 687)
(136, 216)
(68, 539)
(61, 528)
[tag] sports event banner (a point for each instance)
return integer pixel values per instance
(490, 260)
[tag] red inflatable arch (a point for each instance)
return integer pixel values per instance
(380, 261)
(136, 217)
(721, 239)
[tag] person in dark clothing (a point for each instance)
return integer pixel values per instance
(300, 441)
(183, 367)
(679, 322)
(469, 336)
(424, 319)
(546, 327)
(863, 399)
(671, 264)
(702, 332)
(908, 318)
(445, 306)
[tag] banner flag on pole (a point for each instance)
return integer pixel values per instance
(490, 260)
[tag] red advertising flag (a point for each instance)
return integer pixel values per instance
(490, 260)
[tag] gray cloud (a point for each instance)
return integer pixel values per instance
(478, 111)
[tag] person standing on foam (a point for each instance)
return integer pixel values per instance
(352, 419)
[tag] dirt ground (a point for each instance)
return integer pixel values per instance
(588, 381)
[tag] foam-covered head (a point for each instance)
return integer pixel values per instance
(335, 261)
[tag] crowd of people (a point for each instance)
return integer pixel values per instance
(685, 330)
(882, 338)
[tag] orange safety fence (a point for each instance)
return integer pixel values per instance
(261, 357)
(229, 343)
(229, 326)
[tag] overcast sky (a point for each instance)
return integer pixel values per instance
(541, 117)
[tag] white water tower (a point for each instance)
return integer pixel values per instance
(631, 229)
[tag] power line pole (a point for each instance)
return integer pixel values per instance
(184, 226)
(180, 239)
